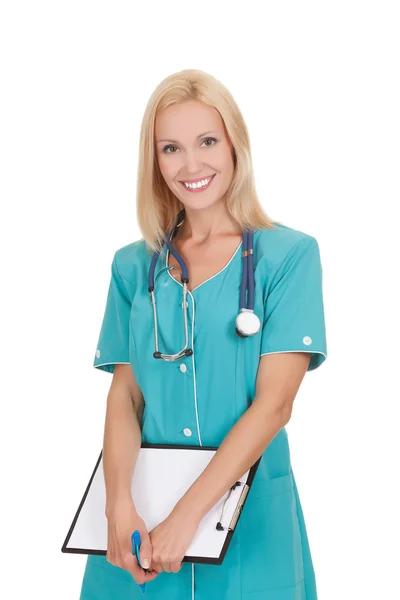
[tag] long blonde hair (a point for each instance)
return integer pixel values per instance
(157, 207)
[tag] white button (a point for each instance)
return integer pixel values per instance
(187, 432)
(307, 340)
(98, 353)
(183, 368)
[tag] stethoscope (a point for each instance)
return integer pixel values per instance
(247, 322)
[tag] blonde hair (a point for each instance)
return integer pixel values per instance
(157, 207)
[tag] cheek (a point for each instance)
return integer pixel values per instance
(168, 170)
(226, 171)
(224, 161)
(163, 164)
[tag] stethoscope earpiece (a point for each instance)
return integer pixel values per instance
(247, 323)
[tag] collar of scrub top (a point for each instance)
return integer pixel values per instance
(247, 323)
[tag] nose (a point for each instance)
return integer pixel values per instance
(194, 164)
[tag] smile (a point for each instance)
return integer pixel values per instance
(198, 186)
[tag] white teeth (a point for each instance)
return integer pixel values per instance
(201, 183)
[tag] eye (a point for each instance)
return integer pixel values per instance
(167, 148)
(171, 146)
(210, 139)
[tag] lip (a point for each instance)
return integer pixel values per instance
(200, 189)
(196, 180)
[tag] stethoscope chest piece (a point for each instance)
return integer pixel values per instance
(247, 323)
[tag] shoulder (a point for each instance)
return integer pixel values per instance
(128, 258)
(274, 246)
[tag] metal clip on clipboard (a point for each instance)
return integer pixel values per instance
(238, 508)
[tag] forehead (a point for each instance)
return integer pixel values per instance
(187, 120)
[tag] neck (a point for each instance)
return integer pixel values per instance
(200, 226)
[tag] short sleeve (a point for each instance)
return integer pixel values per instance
(293, 308)
(113, 344)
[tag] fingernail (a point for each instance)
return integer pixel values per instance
(145, 563)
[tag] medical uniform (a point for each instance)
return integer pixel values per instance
(198, 399)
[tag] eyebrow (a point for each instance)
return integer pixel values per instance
(199, 136)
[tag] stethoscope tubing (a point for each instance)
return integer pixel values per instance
(246, 287)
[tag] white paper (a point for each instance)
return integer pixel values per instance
(160, 479)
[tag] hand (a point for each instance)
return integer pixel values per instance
(170, 540)
(122, 521)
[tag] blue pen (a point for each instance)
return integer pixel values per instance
(135, 539)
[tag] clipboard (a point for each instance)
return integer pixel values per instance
(162, 475)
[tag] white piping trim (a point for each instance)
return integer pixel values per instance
(111, 363)
(212, 277)
(289, 351)
(194, 372)
(192, 581)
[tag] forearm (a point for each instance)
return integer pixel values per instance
(121, 445)
(240, 449)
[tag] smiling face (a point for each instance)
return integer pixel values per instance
(194, 153)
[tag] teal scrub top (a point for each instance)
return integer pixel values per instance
(197, 400)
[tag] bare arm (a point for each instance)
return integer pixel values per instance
(122, 434)
(278, 380)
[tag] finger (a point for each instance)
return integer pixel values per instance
(176, 566)
(150, 575)
(145, 552)
(111, 554)
(156, 566)
(130, 564)
(166, 566)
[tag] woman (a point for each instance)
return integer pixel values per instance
(233, 392)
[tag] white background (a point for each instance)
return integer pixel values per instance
(318, 85)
